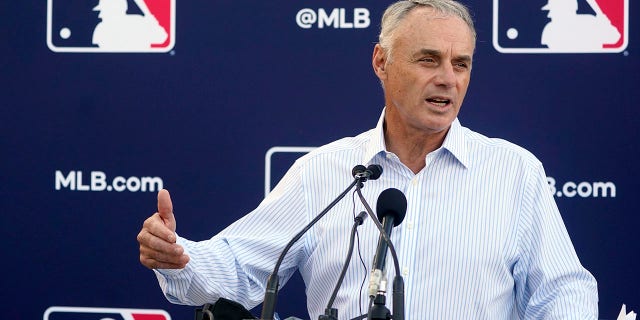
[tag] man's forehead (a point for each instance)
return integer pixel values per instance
(430, 16)
(425, 28)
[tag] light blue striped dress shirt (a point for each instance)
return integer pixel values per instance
(482, 237)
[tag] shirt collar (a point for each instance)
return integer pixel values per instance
(376, 144)
(454, 142)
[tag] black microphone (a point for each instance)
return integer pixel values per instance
(377, 309)
(358, 170)
(372, 172)
(391, 209)
(271, 292)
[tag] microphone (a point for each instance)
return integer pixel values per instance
(271, 292)
(330, 312)
(372, 172)
(391, 209)
(358, 170)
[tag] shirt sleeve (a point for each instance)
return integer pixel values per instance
(236, 263)
(550, 281)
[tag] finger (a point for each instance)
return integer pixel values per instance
(165, 209)
(174, 256)
(150, 262)
(155, 226)
(155, 251)
(165, 257)
(149, 240)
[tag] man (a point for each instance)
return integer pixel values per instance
(482, 237)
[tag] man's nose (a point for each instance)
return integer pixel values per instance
(446, 76)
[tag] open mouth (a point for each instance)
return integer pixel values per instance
(440, 102)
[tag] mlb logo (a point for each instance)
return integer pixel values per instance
(82, 313)
(277, 161)
(111, 25)
(560, 26)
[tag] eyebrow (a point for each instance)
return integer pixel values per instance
(438, 53)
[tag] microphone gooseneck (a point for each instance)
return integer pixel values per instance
(330, 312)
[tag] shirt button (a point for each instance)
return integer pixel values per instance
(410, 225)
(405, 271)
(414, 181)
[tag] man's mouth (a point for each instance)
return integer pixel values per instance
(439, 102)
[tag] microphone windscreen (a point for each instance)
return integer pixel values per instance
(358, 170)
(376, 171)
(392, 201)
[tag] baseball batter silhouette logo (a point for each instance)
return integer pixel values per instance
(560, 26)
(111, 25)
(93, 313)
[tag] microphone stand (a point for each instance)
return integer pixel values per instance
(271, 292)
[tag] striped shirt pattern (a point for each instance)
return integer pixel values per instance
(482, 237)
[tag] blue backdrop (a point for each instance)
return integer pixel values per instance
(88, 137)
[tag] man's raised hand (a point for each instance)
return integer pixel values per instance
(157, 239)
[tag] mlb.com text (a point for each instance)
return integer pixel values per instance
(76, 180)
(584, 189)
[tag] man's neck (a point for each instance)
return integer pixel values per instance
(412, 147)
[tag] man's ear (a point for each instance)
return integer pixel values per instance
(379, 61)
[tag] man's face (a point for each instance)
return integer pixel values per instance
(426, 76)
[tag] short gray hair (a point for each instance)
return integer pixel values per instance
(399, 10)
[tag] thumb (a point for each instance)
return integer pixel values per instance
(165, 209)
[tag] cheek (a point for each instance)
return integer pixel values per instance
(404, 81)
(396, 82)
(463, 84)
